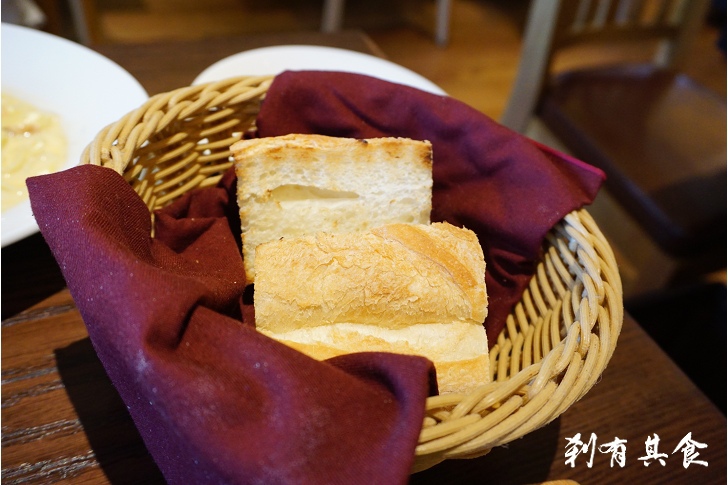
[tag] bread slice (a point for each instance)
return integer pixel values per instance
(300, 184)
(405, 288)
(459, 351)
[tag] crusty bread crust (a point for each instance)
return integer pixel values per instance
(392, 276)
(299, 184)
(404, 288)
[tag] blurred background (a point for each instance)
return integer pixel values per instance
(477, 62)
(477, 65)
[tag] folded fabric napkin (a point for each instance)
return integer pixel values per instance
(215, 401)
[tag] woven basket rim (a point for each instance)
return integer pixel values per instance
(557, 340)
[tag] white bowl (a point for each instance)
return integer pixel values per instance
(86, 90)
(276, 59)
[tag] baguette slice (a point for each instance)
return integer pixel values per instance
(404, 288)
(459, 351)
(300, 184)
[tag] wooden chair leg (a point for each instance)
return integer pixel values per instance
(333, 16)
(442, 22)
(84, 16)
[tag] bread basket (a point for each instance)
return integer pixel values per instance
(557, 341)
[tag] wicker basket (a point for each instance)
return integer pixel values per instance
(558, 338)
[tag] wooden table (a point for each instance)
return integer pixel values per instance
(62, 420)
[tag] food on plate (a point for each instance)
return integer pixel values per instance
(33, 143)
(404, 288)
(300, 184)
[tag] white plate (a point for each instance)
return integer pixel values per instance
(86, 90)
(274, 60)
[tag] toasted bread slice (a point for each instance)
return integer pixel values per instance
(300, 184)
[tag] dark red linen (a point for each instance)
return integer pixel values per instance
(215, 401)
(509, 190)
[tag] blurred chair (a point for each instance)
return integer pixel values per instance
(658, 135)
(333, 18)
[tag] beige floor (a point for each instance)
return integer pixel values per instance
(477, 66)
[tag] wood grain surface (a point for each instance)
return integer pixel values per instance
(63, 421)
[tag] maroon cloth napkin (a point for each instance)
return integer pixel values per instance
(506, 188)
(215, 401)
